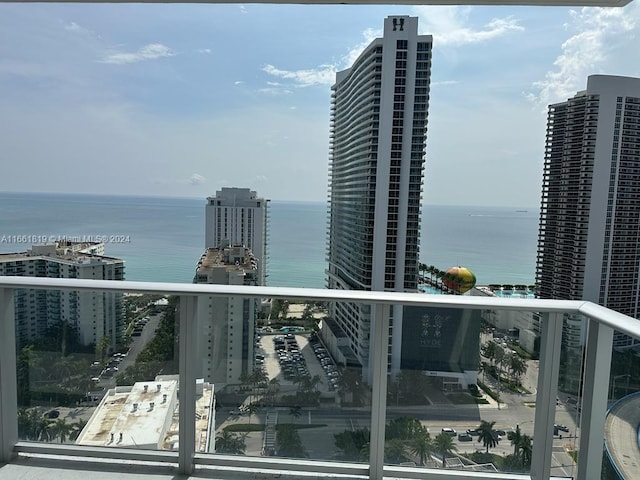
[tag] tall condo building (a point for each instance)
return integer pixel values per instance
(226, 325)
(237, 216)
(589, 237)
(378, 138)
(92, 315)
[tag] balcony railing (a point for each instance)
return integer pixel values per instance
(595, 379)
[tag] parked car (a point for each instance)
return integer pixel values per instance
(563, 428)
(449, 431)
(464, 437)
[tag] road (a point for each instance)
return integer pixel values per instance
(137, 345)
(515, 409)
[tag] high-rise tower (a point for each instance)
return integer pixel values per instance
(237, 216)
(378, 137)
(589, 237)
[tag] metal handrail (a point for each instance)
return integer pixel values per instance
(601, 321)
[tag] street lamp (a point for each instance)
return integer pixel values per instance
(613, 383)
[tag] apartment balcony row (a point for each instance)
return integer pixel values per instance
(343, 421)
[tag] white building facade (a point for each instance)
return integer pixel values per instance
(226, 325)
(378, 138)
(589, 237)
(237, 216)
(92, 315)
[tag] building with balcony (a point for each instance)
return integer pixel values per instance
(237, 216)
(91, 315)
(589, 225)
(226, 326)
(378, 136)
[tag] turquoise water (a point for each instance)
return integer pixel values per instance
(166, 235)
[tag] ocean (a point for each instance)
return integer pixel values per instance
(161, 239)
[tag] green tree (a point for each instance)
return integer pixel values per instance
(232, 443)
(404, 428)
(295, 412)
(499, 357)
(252, 408)
(288, 442)
(102, 347)
(516, 439)
(77, 428)
(350, 384)
(526, 450)
(518, 367)
(62, 429)
(487, 435)
(395, 451)
(444, 446)
(421, 445)
(352, 444)
(489, 351)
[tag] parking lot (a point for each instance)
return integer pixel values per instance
(288, 356)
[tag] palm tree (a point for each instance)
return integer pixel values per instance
(395, 451)
(444, 446)
(488, 435)
(421, 445)
(252, 408)
(431, 270)
(62, 429)
(273, 389)
(350, 382)
(44, 430)
(76, 429)
(422, 269)
(483, 369)
(489, 351)
(288, 442)
(295, 412)
(518, 367)
(516, 439)
(499, 357)
(526, 450)
(228, 442)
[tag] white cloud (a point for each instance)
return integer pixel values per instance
(450, 26)
(444, 83)
(447, 24)
(204, 50)
(238, 82)
(324, 74)
(598, 32)
(275, 90)
(148, 52)
(74, 27)
(197, 179)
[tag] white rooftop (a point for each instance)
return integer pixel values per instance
(136, 416)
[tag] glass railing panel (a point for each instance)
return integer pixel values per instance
(623, 417)
(114, 388)
(508, 378)
(464, 396)
(290, 387)
(434, 357)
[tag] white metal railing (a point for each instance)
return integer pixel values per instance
(601, 323)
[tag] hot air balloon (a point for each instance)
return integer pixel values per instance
(459, 279)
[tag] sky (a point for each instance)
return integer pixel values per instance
(181, 100)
